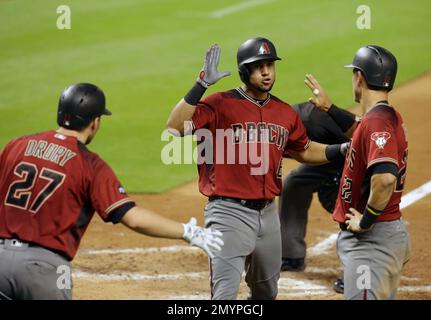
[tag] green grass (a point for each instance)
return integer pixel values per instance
(146, 54)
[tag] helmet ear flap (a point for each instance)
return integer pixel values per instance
(244, 73)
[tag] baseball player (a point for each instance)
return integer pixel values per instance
(328, 125)
(241, 192)
(50, 186)
(300, 184)
(373, 244)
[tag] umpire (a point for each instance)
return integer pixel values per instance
(298, 187)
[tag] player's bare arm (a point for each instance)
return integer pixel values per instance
(179, 121)
(152, 224)
(345, 119)
(313, 155)
(318, 153)
(382, 187)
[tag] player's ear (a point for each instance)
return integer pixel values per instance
(361, 79)
(357, 77)
(96, 123)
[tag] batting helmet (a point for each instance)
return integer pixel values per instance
(79, 104)
(252, 50)
(378, 66)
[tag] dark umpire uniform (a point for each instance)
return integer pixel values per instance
(301, 183)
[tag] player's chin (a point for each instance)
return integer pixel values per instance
(266, 87)
(357, 95)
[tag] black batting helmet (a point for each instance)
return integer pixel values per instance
(378, 66)
(79, 104)
(252, 50)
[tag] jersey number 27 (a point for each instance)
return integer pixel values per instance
(20, 191)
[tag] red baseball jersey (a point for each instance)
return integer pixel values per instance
(50, 186)
(380, 137)
(248, 141)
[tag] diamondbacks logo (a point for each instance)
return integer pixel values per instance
(380, 138)
(264, 49)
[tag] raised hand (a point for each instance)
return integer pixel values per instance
(320, 99)
(209, 74)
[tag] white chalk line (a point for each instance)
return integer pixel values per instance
(287, 286)
(305, 293)
(238, 7)
(404, 278)
(416, 195)
(136, 276)
(197, 296)
(291, 287)
(321, 247)
(322, 270)
(139, 250)
(415, 288)
(290, 284)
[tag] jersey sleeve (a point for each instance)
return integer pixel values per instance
(297, 140)
(333, 133)
(108, 196)
(205, 113)
(380, 141)
(2, 152)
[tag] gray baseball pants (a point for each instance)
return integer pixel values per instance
(373, 260)
(252, 243)
(33, 273)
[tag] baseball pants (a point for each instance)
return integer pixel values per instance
(252, 244)
(32, 273)
(373, 260)
(295, 201)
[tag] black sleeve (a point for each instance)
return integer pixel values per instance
(322, 128)
(385, 167)
(319, 124)
(343, 118)
(119, 213)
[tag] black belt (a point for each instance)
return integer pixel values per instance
(257, 204)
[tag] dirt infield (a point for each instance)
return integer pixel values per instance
(136, 267)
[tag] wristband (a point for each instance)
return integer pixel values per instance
(195, 94)
(333, 152)
(343, 118)
(369, 216)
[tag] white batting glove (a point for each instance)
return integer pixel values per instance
(205, 238)
(209, 74)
